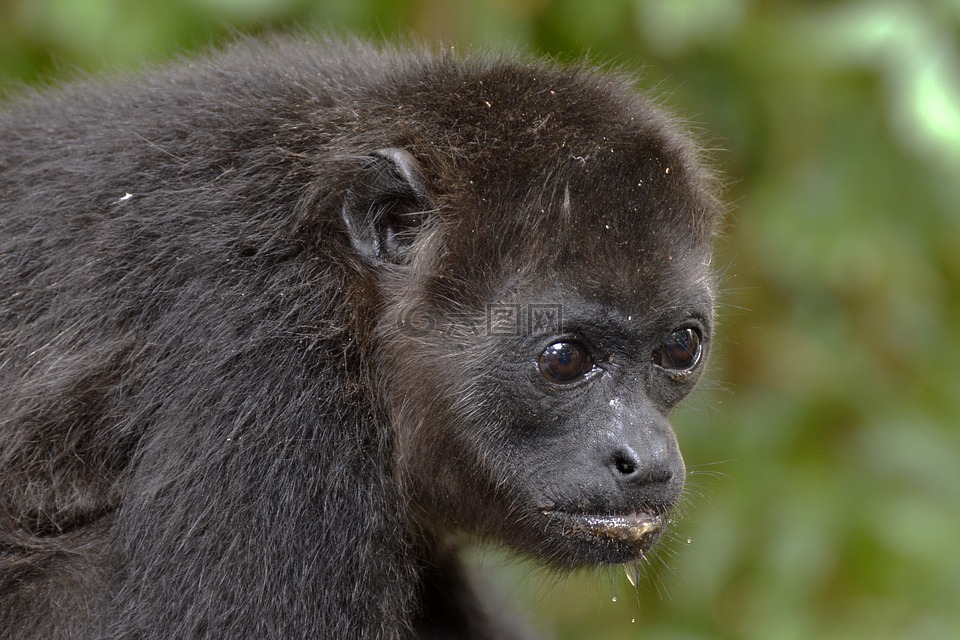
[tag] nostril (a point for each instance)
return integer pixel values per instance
(624, 463)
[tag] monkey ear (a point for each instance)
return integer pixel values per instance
(386, 204)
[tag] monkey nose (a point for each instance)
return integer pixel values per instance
(628, 466)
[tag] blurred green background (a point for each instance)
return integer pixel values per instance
(824, 448)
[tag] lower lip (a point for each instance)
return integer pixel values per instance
(634, 528)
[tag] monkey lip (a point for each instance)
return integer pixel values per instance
(639, 529)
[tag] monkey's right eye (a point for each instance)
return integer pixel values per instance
(681, 352)
(564, 362)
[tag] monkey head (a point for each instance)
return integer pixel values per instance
(543, 264)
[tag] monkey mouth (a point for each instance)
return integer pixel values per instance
(616, 538)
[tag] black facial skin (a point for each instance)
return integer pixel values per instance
(248, 387)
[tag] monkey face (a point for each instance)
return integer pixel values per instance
(539, 418)
(547, 424)
(596, 459)
(569, 431)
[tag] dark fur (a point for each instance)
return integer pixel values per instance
(216, 419)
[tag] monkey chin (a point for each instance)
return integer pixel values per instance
(590, 538)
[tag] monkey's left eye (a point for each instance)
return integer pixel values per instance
(564, 362)
(681, 352)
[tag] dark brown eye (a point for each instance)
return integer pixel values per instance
(564, 362)
(681, 351)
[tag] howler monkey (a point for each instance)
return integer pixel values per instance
(282, 326)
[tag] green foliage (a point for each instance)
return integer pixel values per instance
(824, 448)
